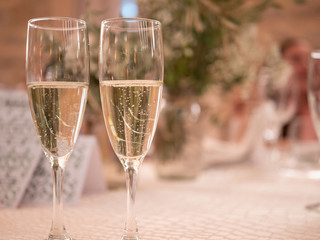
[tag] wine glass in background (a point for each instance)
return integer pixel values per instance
(314, 100)
(131, 76)
(314, 89)
(57, 71)
(280, 97)
(301, 159)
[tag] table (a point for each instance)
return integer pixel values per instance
(227, 202)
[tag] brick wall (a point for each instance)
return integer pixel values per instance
(14, 15)
(294, 21)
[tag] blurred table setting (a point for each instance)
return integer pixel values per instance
(238, 202)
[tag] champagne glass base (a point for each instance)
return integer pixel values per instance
(315, 207)
(59, 237)
(130, 238)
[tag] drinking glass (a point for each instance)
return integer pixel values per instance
(280, 104)
(131, 76)
(314, 90)
(301, 158)
(57, 73)
(314, 100)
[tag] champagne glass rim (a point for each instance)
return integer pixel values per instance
(315, 54)
(35, 23)
(108, 22)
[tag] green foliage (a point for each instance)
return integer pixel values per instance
(193, 31)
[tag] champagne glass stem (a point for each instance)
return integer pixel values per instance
(131, 229)
(273, 151)
(58, 230)
(271, 143)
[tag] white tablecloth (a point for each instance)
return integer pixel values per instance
(238, 202)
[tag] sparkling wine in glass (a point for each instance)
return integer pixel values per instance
(131, 77)
(57, 71)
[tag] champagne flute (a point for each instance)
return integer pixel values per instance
(131, 76)
(314, 100)
(314, 90)
(57, 72)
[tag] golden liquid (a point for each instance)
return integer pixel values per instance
(131, 110)
(57, 109)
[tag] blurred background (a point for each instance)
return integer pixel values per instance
(235, 77)
(293, 20)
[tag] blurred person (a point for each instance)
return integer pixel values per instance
(296, 52)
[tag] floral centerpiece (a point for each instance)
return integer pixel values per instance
(202, 47)
(204, 42)
(195, 32)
